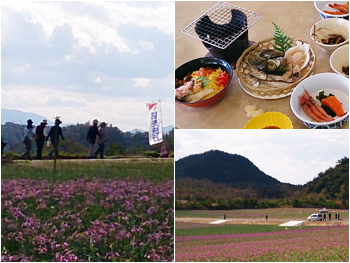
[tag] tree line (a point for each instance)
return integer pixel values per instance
(328, 189)
(118, 144)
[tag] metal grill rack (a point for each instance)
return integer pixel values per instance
(219, 16)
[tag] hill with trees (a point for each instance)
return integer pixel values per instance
(219, 180)
(119, 143)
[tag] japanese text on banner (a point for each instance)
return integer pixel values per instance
(155, 123)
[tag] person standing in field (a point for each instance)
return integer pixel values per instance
(101, 140)
(324, 217)
(28, 138)
(40, 137)
(329, 216)
(336, 216)
(224, 217)
(54, 135)
(91, 138)
(266, 218)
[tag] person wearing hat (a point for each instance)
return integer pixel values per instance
(28, 138)
(40, 137)
(101, 140)
(54, 135)
(91, 138)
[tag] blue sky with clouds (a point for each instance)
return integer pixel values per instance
(291, 156)
(87, 60)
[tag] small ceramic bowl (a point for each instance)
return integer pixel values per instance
(340, 59)
(328, 82)
(323, 28)
(270, 120)
(194, 65)
(252, 104)
(322, 6)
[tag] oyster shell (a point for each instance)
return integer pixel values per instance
(268, 60)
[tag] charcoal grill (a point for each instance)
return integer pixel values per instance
(223, 29)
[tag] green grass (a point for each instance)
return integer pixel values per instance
(153, 171)
(230, 229)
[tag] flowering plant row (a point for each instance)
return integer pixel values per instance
(319, 244)
(87, 220)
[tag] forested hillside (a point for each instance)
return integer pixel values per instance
(332, 183)
(219, 180)
(119, 143)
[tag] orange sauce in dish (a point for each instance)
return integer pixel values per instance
(272, 127)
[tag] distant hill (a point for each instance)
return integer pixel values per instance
(166, 130)
(332, 183)
(219, 180)
(20, 117)
(229, 169)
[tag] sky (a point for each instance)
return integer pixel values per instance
(87, 60)
(290, 156)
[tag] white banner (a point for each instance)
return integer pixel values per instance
(155, 127)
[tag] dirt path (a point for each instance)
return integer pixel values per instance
(101, 161)
(262, 222)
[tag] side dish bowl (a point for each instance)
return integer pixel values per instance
(340, 59)
(194, 65)
(333, 83)
(322, 6)
(270, 120)
(323, 28)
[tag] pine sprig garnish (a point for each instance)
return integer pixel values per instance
(282, 41)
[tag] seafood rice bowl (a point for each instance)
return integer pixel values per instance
(309, 91)
(202, 82)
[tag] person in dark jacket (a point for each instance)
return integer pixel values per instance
(40, 139)
(91, 138)
(54, 135)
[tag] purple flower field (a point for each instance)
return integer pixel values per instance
(81, 220)
(321, 244)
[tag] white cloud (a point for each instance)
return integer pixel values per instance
(146, 45)
(65, 50)
(90, 29)
(141, 82)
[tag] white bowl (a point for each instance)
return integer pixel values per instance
(323, 5)
(334, 26)
(333, 83)
(339, 59)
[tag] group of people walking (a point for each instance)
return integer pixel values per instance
(95, 135)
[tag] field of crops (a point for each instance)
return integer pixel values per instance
(87, 213)
(242, 243)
